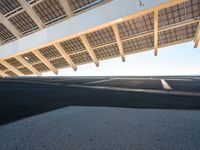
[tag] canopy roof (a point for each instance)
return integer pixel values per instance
(174, 22)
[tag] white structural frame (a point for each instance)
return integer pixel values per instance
(3, 74)
(10, 26)
(65, 56)
(66, 8)
(119, 42)
(82, 24)
(89, 49)
(197, 36)
(155, 32)
(26, 64)
(45, 61)
(11, 68)
(27, 7)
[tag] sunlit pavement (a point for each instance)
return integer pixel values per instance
(100, 113)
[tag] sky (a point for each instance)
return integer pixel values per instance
(181, 59)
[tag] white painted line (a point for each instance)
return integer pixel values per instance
(129, 78)
(99, 81)
(179, 79)
(177, 93)
(165, 85)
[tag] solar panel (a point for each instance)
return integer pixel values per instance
(73, 45)
(107, 51)
(41, 67)
(138, 44)
(101, 37)
(5, 34)
(172, 15)
(7, 6)
(30, 58)
(2, 67)
(25, 71)
(10, 73)
(193, 9)
(14, 62)
(50, 52)
(81, 58)
(23, 23)
(177, 34)
(180, 12)
(137, 25)
(59, 63)
(50, 11)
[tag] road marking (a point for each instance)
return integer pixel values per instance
(165, 85)
(177, 93)
(129, 78)
(179, 79)
(99, 81)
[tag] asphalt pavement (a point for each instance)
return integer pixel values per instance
(100, 113)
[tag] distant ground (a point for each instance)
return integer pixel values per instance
(100, 113)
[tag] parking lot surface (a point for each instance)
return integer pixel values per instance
(100, 113)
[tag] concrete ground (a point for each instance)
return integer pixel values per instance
(86, 113)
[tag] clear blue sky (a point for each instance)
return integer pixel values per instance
(180, 59)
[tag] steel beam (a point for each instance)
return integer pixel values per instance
(197, 36)
(155, 32)
(11, 68)
(89, 49)
(26, 64)
(119, 42)
(65, 56)
(66, 7)
(45, 61)
(10, 26)
(27, 7)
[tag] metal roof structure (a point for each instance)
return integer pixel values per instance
(169, 23)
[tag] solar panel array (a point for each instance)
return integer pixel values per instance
(23, 23)
(48, 11)
(5, 34)
(7, 6)
(81, 58)
(73, 45)
(176, 24)
(137, 25)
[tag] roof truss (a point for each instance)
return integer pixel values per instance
(65, 56)
(10, 67)
(119, 42)
(3, 74)
(31, 13)
(89, 49)
(155, 32)
(26, 64)
(9, 26)
(66, 7)
(45, 61)
(197, 36)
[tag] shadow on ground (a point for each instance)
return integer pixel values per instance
(19, 100)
